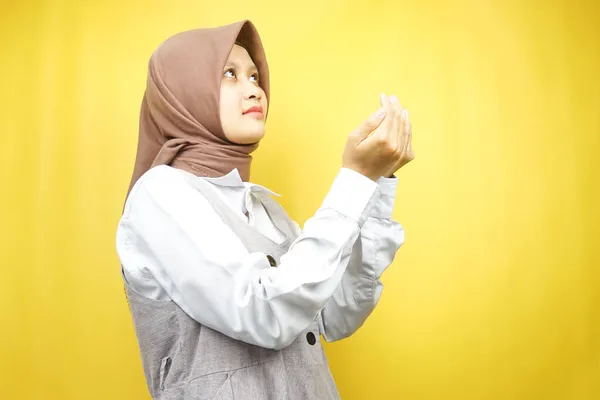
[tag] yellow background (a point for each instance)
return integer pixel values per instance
(496, 293)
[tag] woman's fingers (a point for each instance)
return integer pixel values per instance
(406, 131)
(405, 135)
(411, 154)
(398, 127)
(395, 130)
(387, 107)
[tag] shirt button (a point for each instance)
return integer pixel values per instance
(310, 338)
(271, 261)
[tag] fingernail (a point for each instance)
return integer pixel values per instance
(395, 99)
(380, 113)
(382, 98)
(405, 112)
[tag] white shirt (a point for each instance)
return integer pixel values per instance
(173, 245)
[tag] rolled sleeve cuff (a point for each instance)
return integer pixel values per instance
(352, 194)
(387, 194)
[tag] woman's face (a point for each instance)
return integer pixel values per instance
(242, 99)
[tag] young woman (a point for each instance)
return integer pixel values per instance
(228, 295)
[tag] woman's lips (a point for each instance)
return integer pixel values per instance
(255, 112)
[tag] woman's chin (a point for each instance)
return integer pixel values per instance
(248, 137)
(255, 138)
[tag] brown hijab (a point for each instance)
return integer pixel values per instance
(179, 120)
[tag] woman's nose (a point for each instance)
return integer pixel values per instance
(251, 90)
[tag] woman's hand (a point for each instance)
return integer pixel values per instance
(382, 144)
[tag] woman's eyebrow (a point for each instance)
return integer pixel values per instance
(236, 66)
(231, 64)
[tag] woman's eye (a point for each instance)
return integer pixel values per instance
(229, 73)
(255, 77)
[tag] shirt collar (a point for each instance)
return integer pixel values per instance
(233, 180)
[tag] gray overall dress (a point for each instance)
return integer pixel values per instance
(183, 359)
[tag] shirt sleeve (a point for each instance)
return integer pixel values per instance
(360, 288)
(170, 229)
